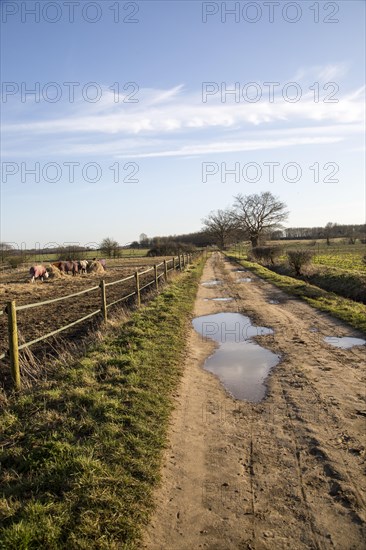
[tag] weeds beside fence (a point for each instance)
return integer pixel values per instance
(140, 281)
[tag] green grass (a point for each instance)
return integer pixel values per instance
(350, 261)
(337, 268)
(81, 452)
(339, 254)
(347, 310)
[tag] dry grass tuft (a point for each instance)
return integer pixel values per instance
(96, 268)
(54, 272)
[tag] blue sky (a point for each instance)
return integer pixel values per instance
(150, 145)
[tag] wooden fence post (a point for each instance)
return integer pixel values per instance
(137, 277)
(179, 263)
(184, 263)
(104, 300)
(173, 263)
(156, 277)
(166, 271)
(13, 344)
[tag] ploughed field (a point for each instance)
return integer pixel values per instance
(38, 321)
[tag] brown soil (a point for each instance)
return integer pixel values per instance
(287, 473)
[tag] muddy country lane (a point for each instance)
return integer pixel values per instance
(287, 472)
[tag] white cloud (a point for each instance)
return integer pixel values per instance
(323, 74)
(189, 112)
(237, 146)
(174, 122)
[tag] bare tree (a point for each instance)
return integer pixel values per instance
(109, 247)
(222, 225)
(257, 214)
(329, 231)
(144, 240)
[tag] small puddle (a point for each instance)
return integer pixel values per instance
(241, 364)
(273, 302)
(313, 329)
(218, 299)
(345, 343)
(239, 270)
(244, 280)
(213, 282)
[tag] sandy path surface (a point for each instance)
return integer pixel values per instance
(284, 473)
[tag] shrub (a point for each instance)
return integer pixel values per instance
(299, 258)
(266, 254)
(16, 261)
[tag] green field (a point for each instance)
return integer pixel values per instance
(335, 281)
(339, 254)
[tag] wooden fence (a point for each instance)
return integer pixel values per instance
(176, 263)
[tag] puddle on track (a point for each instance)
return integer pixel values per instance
(213, 282)
(244, 280)
(218, 299)
(241, 364)
(273, 302)
(345, 343)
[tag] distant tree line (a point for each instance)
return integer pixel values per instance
(256, 218)
(329, 231)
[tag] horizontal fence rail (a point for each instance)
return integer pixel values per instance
(177, 263)
(120, 281)
(36, 304)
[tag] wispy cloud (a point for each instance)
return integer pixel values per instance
(176, 122)
(237, 146)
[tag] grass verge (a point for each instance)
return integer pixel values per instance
(347, 310)
(81, 453)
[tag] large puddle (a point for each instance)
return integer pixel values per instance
(241, 364)
(345, 343)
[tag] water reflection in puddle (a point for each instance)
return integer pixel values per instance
(218, 299)
(241, 364)
(213, 282)
(273, 302)
(345, 343)
(244, 280)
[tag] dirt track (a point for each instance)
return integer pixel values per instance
(285, 473)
